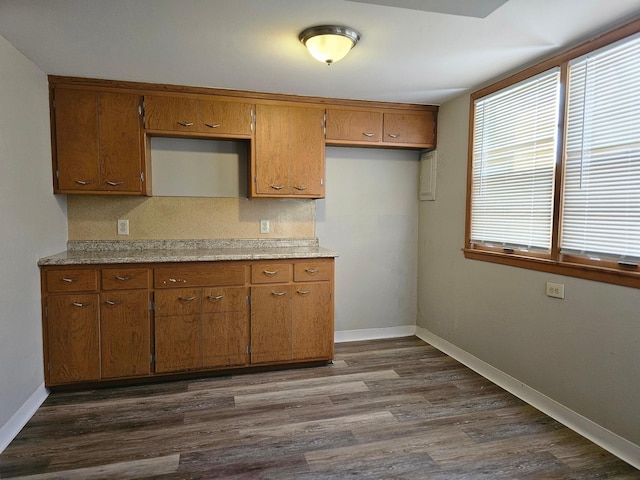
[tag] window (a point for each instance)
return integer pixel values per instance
(554, 164)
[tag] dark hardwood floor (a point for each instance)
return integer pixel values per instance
(387, 409)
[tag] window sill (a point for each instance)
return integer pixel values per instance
(588, 272)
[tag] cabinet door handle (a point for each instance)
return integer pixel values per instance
(83, 182)
(69, 280)
(111, 302)
(269, 272)
(367, 134)
(216, 297)
(278, 294)
(186, 299)
(312, 271)
(303, 292)
(81, 305)
(186, 124)
(277, 187)
(114, 184)
(123, 279)
(212, 125)
(394, 135)
(300, 187)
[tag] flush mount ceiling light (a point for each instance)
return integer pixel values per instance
(329, 43)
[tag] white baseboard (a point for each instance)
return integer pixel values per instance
(374, 333)
(9, 430)
(621, 448)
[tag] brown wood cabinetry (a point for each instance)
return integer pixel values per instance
(97, 142)
(113, 322)
(354, 125)
(291, 320)
(201, 115)
(289, 152)
(382, 128)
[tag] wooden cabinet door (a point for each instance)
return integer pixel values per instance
(178, 330)
(312, 325)
(306, 140)
(270, 323)
(125, 334)
(77, 146)
(411, 128)
(232, 118)
(354, 125)
(225, 326)
(178, 340)
(73, 338)
(178, 114)
(272, 150)
(120, 146)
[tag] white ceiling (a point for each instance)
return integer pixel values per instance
(405, 55)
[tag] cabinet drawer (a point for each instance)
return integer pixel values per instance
(270, 272)
(226, 299)
(312, 271)
(125, 278)
(186, 301)
(199, 276)
(72, 280)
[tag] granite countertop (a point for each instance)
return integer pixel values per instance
(88, 252)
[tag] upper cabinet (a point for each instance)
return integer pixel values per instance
(198, 115)
(97, 146)
(406, 128)
(102, 130)
(289, 152)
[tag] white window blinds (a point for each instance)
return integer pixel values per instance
(601, 206)
(514, 155)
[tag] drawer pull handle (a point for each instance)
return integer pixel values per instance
(186, 299)
(81, 305)
(69, 280)
(216, 297)
(186, 124)
(114, 184)
(303, 292)
(83, 182)
(123, 279)
(394, 135)
(278, 294)
(312, 271)
(212, 125)
(111, 302)
(300, 187)
(269, 272)
(367, 134)
(277, 187)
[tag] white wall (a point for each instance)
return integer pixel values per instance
(370, 217)
(33, 224)
(583, 352)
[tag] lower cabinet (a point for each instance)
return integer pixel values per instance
(106, 324)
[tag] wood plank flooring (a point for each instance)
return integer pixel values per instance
(386, 409)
